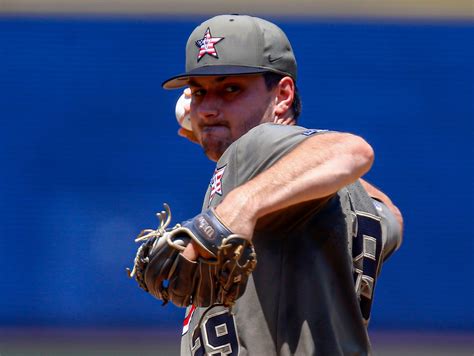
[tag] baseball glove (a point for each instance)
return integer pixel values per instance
(161, 269)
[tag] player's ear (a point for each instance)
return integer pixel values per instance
(284, 95)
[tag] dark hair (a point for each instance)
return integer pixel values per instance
(271, 81)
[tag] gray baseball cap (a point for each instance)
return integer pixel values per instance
(235, 45)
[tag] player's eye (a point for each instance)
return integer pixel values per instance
(198, 92)
(232, 89)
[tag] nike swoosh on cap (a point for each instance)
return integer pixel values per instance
(271, 60)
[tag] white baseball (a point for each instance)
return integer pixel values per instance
(184, 121)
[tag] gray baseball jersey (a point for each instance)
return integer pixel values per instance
(318, 261)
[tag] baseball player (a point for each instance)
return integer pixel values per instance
(320, 233)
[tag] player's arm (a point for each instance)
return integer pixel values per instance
(316, 168)
(379, 195)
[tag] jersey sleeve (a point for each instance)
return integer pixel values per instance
(250, 155)
(263, 146)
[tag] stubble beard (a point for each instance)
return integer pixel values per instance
(214, 150)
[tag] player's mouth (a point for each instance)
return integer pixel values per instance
(214, 129)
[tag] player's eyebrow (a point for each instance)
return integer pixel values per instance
(220, 79)
(193, 83)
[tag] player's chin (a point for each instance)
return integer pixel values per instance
(214, 149)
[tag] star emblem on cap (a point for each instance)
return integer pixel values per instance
(206, 45)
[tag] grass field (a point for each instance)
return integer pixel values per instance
(58, 342)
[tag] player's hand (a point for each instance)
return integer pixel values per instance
(232, 212)
(192, 252)
(162, 268)
(188, 134)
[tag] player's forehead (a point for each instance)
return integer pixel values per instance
(206, 81)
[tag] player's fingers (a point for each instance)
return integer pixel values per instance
(190, 252)
(187, 108)
(193, 251)
(183, 132)
(187, 134)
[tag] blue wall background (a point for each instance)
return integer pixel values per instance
(89, 151)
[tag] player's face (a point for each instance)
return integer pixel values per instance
(225, 108)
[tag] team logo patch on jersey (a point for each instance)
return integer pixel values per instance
(206, 45)
(310, 132)
(216, 183)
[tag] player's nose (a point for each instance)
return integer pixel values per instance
(209, 107)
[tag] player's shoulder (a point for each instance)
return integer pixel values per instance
(281, 129)
(265, 143)
(270, 132)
